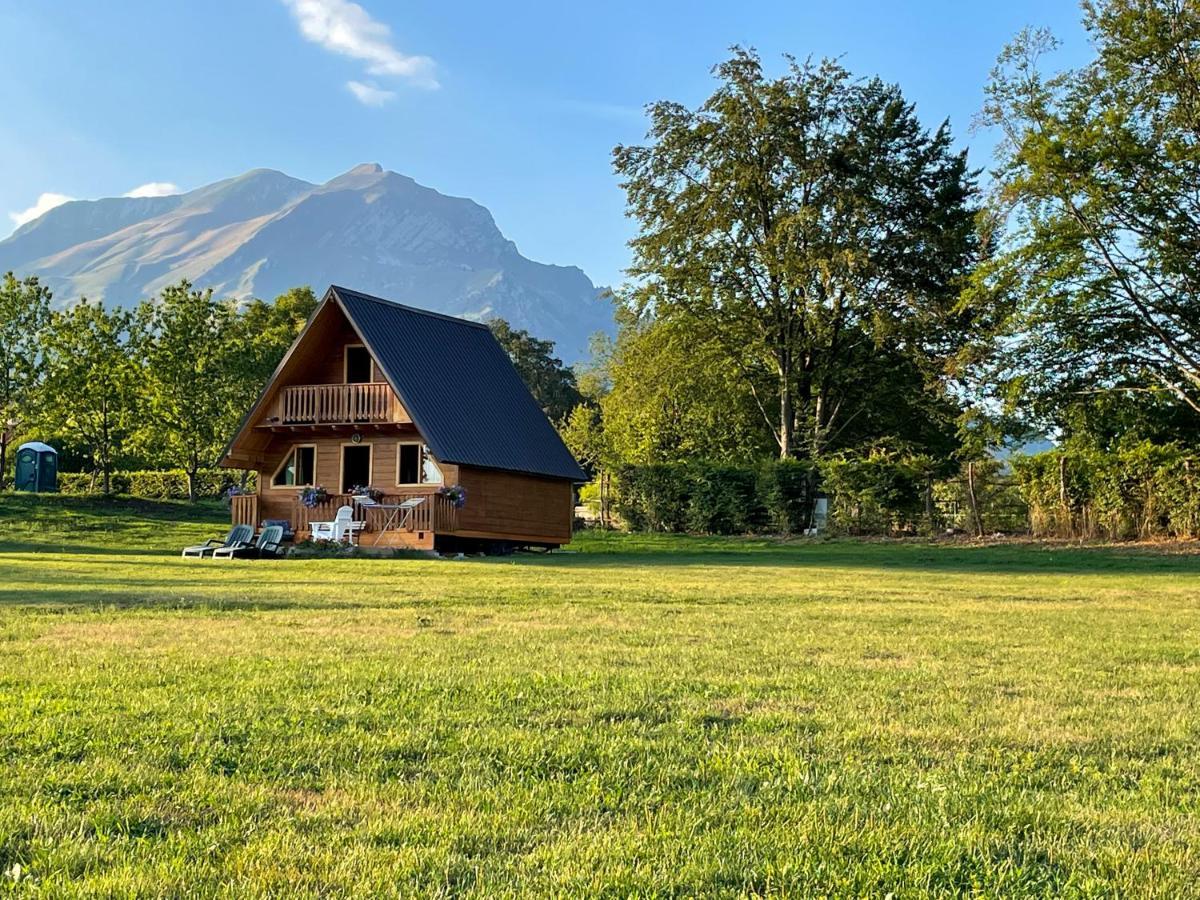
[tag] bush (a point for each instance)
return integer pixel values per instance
(875, 494)
(1141, 490)
(715, 498)
(170, 484)
(786, 489)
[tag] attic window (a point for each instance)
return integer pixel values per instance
(358, 364)
(298, 468)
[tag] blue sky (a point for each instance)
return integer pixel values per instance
(516, 106)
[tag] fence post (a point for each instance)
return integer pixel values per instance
(974, 499)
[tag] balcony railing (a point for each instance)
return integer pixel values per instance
(336, 404)
(436, 514)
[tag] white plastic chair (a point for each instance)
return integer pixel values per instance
(342, 527)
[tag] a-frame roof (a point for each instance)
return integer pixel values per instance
(457, 384)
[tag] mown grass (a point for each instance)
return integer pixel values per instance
(647, 716)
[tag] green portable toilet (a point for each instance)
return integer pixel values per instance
(37, 468)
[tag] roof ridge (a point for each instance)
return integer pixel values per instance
(412, 309)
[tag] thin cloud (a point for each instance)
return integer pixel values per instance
(155, 189)
(369, 93)
(45, 203)
(347, 29)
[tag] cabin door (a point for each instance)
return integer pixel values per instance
(356, 466)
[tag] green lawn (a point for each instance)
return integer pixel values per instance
(646, 716)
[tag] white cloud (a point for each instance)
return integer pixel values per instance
(343, 27)
(369, 93)
(45, 203)
(155, 189)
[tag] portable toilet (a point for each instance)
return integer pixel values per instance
(37, 468)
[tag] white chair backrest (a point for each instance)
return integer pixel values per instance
(344, 513)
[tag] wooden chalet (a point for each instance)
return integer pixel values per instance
(407, 402)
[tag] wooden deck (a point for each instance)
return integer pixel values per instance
(436, 515)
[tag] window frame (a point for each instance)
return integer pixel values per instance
(342, 463)
(292, 450)
(346, 364)
(422, 451)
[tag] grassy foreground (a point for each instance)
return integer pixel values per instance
(643, 717)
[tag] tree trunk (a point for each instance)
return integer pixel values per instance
(191, 480)
(3, 457)
(974, 500)
(786, 418)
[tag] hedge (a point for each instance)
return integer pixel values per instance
(712, 498)
(1142, 490)
(170, 484)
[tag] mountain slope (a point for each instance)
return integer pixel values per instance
(264, 232)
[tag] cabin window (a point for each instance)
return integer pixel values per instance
(415, 465)
(358, 364)
(298, 468)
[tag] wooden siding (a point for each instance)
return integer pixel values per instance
(510, 505)
(500, 505)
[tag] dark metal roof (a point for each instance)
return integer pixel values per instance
(460, 387)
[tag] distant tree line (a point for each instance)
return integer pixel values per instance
(161, 385)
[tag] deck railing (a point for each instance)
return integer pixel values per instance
(437, 514)
(243, 509)
(334, 404)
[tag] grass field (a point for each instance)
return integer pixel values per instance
(647, 716)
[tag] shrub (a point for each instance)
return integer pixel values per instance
(722, 500)
(1141, 490)
(170, 484)
(786, 490)
(876, 494)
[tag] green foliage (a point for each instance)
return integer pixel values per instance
(156, 484)
(92, 381)
(801, 225)
(875, 494)
(715, 498)
(551, 383)
(786, 490)
(674, 396)
(195, 393)
(1138, 490)
(24, 312)
(1097, 213)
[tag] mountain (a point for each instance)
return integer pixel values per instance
(264, 232)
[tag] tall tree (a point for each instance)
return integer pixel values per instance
(551, 383)
(798, 222)
(1099, 211)
(92, 380)
(24, 311)
(194, 378)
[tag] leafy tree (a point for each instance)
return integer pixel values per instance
(195, 385)
(92, 380)
(265, 331)
(24, 311)
(799, 223)
(675, 397)
(1099, 213)
(551, 383)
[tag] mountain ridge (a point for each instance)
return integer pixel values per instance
(262, 232)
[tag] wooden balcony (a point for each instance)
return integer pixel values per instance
(436, 515)
(337, 404)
